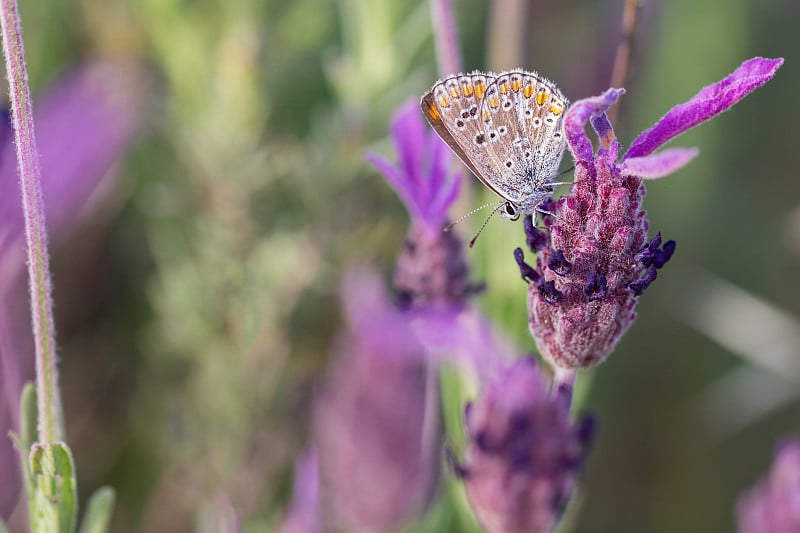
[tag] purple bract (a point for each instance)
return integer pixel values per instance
(431, 270)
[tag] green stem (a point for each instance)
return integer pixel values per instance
(49, 406)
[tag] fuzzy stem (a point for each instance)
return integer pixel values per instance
(445, 32)
(49, 407)
(563, 383)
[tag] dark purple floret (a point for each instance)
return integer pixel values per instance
(638, 287)
(645, 256)
(560, 501)
(661, 257)
(536, 238)
(547, 208)
(549, 293)
(558, 263)
(528, 273)
(596, 287)
(458, 469)
(587, 428)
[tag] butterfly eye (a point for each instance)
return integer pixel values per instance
(510, 211)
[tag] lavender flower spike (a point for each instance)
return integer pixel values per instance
(773, 506)
(372, 428)
(578, 313)
(524, 454)
(431, 270)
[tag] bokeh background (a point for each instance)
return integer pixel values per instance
(196, 267)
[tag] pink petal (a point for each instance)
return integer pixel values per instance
(658, 165)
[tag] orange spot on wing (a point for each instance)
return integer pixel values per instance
(467, 89)
(528, 91)
(480, 88)
(434, 113)
(541, 97)
(486, 116)
(454, 92)
(503, 87)
(444, 101)
(494, 102)
(556, 110)
(516, 85)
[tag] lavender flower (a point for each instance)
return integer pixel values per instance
(524, 455)
(373, 427)
(773, 506)
(304, 512)
(597, 260)
(431, 270)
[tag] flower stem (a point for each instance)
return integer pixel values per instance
(49, 407)
(506, 34)
(563, 383)
(445, 31)
(622, 58)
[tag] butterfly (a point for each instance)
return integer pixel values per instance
(507, 128)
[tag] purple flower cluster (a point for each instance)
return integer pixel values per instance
(594, 256)
(524, 454)
(773, 506)
(431, 269)
(371, 429)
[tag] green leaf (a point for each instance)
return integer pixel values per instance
(98, 511)
(55, 502)
(27, 416)
(24, 441)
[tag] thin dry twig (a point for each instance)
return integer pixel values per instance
(622, 59)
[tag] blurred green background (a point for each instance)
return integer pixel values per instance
(196, 308)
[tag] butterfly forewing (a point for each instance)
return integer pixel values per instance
(452, 107)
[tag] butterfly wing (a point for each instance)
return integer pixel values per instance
(522, 116)
(452, 108)
(542, 117)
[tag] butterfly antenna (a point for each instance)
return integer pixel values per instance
(556, 183)
(475, 238)
(570, 169)
(462, 217)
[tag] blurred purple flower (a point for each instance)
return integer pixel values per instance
(375, 423)
(83, 126)
(431, 270)
(773, 506)
(304, 511)
(422, 179)
(524, 454)
(596, 259)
